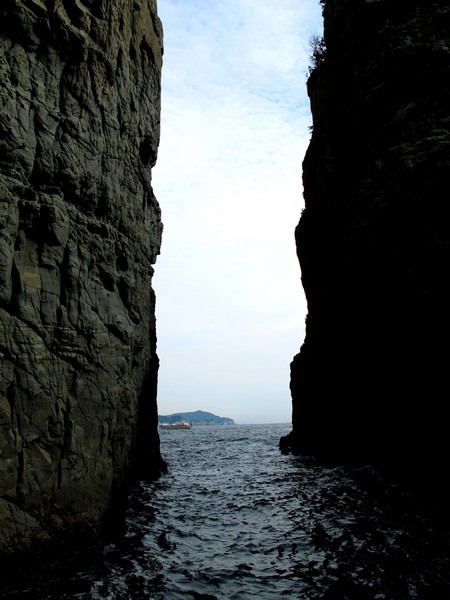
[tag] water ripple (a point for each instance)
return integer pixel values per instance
(235, 518)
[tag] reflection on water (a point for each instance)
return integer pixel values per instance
(235, 518)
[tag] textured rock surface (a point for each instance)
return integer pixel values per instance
(371, 379)
(79, 231)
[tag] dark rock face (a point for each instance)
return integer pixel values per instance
(79, 231)
(370, 382)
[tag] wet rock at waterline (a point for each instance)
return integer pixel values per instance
(80, 230)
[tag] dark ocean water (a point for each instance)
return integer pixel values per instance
(235, 518)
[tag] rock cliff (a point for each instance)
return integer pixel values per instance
(79, 231)
(370, 382)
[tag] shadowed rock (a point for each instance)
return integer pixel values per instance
(370, 381)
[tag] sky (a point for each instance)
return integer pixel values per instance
(235, 123)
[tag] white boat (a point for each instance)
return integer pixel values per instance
(179, 425)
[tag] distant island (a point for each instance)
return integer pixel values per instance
(199, 417)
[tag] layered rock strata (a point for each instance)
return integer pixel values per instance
(370, 382)
(79, 231)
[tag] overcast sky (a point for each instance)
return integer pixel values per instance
(235, 117)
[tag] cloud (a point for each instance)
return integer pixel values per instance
(235, 120)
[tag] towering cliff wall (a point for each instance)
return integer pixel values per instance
(79, 231)
(371, 380)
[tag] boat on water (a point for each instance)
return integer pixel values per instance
(179, 425)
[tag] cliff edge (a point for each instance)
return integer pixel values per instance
(370, 382)
(79, 231)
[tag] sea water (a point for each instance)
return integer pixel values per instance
(235, 518)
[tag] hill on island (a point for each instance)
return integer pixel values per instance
(198, 417)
